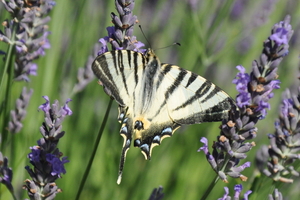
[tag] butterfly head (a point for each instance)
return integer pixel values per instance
(153, 63)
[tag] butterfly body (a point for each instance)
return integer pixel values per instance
(155, 99)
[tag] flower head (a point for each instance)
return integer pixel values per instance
(15, 124)
(120, 36)
(45, 157)
(30, 20)
(284, 142)
(157, 194)
(6, 173)
(254, 92)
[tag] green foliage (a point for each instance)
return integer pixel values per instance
(210, 40)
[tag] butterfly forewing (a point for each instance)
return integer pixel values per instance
(154, 100)
(118, 72)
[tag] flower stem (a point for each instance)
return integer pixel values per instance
(9, 70)
(87, 170)
(210, 187)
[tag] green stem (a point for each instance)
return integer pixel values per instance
(9, 71)
(86, 173)
(210, 187)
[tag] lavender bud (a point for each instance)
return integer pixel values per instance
(6, 173)
(17, 115)
(157, 194)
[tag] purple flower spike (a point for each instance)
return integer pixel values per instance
(120, 36)
(284, 148)
(157, 194)
(45, 157)
(15, 124)
(6, 174)
(254, 92)
(276, 195)
(31, 36)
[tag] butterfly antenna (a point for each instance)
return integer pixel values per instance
(145, 36)
(175, 43)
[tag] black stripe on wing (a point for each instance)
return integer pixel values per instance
(192, 78)
(205, 87)
(120, 65)
(213, 114)
(162, 75)
(136, 64)
(167, 68)
(176, 83)
(102, 71)
(111, 66)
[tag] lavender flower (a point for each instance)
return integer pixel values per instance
(157, 194)
(28, 32)
(284, 143)
(46, 157)
(120, 36)
(255, 91)
(6, 174)
(85, 75)
(238, 189)
(276, 196)
(17, 115)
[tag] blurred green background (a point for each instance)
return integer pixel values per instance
(215, 37)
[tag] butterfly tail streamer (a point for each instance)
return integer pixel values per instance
(122, 162)
(126, 133)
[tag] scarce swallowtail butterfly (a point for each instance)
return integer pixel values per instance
(155, 98)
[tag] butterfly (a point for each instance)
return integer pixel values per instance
(155, 98)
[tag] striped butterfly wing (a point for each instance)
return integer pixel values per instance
(154, 100)
(117, 72)
(191, 99)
